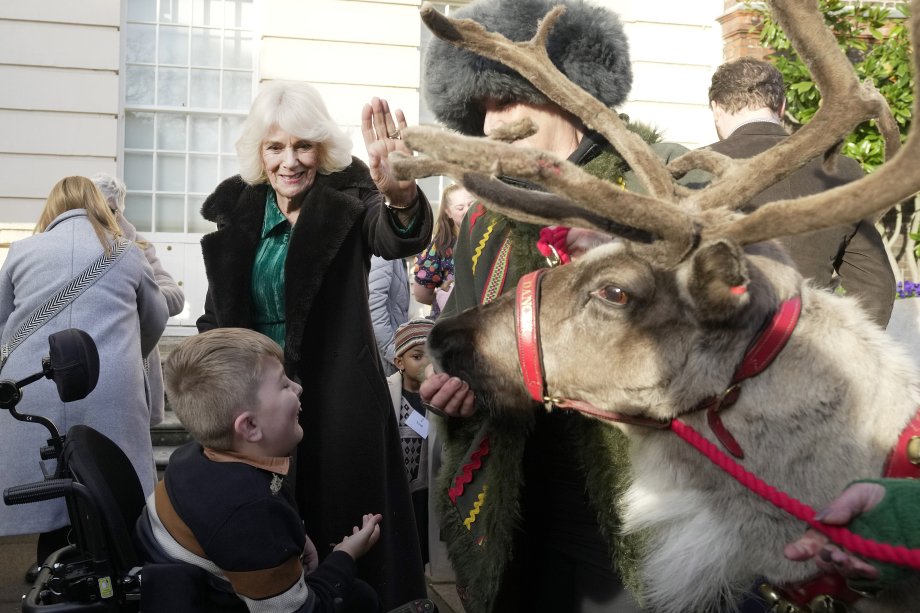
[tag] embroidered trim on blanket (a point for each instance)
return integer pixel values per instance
(497, 275)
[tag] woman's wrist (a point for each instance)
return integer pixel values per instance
(404, 213)
(402, 207)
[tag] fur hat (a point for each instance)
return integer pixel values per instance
(413, 332)
(587, 44)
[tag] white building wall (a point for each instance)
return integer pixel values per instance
(60, 100)
(675, 47)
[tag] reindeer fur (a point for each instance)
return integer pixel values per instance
(826, 412)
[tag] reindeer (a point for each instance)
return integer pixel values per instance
(654, 326)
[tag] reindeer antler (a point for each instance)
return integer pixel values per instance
(655, 215)
(845, 103)
(895, 181)
(458, 155)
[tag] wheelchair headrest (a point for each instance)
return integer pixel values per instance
(75, 362)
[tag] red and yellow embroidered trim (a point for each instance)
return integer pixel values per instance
(482, 243)
(480, 501)
(468, 469)
(496, 279)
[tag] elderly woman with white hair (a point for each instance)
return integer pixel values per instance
(290, 257)
(114, 190)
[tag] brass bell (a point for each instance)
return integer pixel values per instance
(775, 600)
(826, 604)
(913, 450)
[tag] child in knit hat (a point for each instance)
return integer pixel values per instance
(411, 360)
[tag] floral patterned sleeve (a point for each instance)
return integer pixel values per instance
(432, 268)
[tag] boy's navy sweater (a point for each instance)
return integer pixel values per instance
(235, 518)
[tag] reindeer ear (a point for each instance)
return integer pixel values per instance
(718, 282)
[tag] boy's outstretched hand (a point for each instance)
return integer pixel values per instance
(363, 538)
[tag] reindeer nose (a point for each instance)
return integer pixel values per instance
(450, 345)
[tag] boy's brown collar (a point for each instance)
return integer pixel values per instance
(279, 466)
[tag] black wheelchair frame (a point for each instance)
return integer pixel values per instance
(100, 571)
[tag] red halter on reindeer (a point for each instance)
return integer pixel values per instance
(651, 329)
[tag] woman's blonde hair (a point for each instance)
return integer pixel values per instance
(298, 109)
(445, 230)
(80, 193)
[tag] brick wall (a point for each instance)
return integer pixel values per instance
(740, 32)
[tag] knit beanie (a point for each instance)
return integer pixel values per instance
(587, 44)
(413, 332)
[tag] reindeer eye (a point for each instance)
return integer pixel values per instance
(613, 294)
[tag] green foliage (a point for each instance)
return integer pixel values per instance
(875, 39)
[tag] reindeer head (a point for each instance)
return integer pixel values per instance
(694, 276)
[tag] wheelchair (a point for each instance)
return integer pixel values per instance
(105, 568)
(100, 570)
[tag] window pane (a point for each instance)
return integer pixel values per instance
(175, 11)
(138, 130)
(237, 90)
(141, 10)
(139, 211)
(208, 13)
(170, 173)
(173, 45)
(229, 166)
(197, 223)
(237, 50)
(202, 172)
(204, 134)
(171, 131)
(205, 47)
(231, 127)
(170, 213)
(237, 13)
(205, 89)
(172, 87)
(139, 89)
(141, 43)
(139, 171)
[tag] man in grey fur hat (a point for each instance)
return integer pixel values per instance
(529, 514)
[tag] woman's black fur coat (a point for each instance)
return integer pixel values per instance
(349, 462)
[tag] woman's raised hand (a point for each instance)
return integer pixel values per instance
(381, 136)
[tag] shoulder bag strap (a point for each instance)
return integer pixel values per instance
(64, 296)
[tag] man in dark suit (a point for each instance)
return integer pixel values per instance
(748, 100)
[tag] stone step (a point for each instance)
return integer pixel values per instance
(169, 438)
(161, 456)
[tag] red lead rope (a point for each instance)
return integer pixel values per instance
(883, 552)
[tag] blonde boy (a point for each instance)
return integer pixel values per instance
(224, 504)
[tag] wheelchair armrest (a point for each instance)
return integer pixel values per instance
(38, 491)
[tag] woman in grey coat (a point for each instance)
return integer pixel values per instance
(125, 313)
(114, 190)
